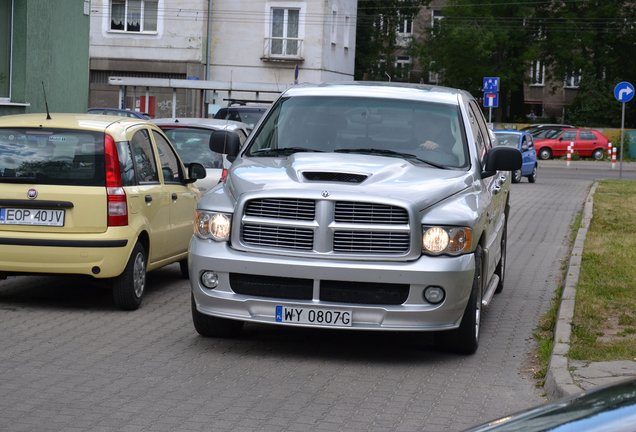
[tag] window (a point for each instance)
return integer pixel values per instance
(405, 26)
(402, 66)
(573, 79)
(5, 48)
(169, 161)
(284, 36)
(144, 158)
(587, 135)
(133, 15)
(433, 77)
(334, 26)
(537, 73)
(436, 19)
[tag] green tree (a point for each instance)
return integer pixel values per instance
(478, 39)
(376, 29)
(595, 39)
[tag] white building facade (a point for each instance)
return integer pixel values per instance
(240, 41)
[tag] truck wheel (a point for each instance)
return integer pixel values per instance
(129, 287)
(183, 266)
(210, 326)
(501, 265)
(465, 339)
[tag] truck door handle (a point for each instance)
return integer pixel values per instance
(148, 198)
(174, 196)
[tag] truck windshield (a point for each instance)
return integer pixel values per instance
(426, 132)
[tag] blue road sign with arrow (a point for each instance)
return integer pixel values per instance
(624, 92)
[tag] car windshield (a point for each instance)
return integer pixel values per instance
(193, 145)
(52, 156)
(421, 132)
(507, 140)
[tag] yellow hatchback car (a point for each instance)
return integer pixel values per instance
(87, 194)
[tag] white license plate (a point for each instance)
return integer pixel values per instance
(313, 316)
(17, 216)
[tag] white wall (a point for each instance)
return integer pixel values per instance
(180, 36)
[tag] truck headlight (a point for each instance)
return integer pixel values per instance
(212, 225)
(438, 240)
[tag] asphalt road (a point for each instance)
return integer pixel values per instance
(70, 362)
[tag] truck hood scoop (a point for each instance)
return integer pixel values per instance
(340, 177)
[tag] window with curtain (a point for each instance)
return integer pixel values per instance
(537, 73)
(285, 33)
(134, 15)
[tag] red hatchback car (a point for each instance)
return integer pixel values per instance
(587, 143)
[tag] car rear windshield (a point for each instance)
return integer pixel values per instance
(52, 156)
(193, 145)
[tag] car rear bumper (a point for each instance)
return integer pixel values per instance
(100, 258)
(370, 279)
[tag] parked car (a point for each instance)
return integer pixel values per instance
(541, 130)
(94, 195)
(586, 143)
(191, 139)
(248, 113)
(356, 206)
(523, 142)
(119, 112)
(607, 408)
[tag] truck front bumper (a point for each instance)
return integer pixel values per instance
(414, 313)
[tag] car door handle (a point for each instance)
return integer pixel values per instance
(148, 198)
(174, 196)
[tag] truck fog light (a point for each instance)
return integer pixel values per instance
(210, 279)
(434, 294)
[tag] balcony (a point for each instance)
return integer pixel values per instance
(278, 49)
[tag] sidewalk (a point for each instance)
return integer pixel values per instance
(567, 377)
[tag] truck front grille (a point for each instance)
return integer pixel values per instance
(323, 226)
(369, 293)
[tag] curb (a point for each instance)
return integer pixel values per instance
(559, 382)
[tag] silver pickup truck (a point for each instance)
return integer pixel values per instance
(362, 206)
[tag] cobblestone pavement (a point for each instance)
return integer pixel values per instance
(71, 362)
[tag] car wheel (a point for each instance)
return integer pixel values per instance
(210, 326)
(533, 177)
(501, 265)
(597, 154)
(183, 266)
(129, 287)
(545, 154)
(465, 338)
(516, 176)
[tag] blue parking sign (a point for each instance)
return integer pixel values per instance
(491, 84)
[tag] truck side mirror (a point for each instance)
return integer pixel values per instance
(501, 159)
(225, 142)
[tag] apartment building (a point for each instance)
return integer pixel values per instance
(184, 57)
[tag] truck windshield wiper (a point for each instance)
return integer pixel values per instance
(285, 151)
(385, 152)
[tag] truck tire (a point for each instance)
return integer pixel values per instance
(210, 326)
(465, 338)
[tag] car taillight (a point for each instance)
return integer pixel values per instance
(116, 196)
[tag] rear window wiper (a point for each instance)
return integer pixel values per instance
(285, 151)
(385, 152)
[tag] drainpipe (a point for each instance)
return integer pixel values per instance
(207, 57)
